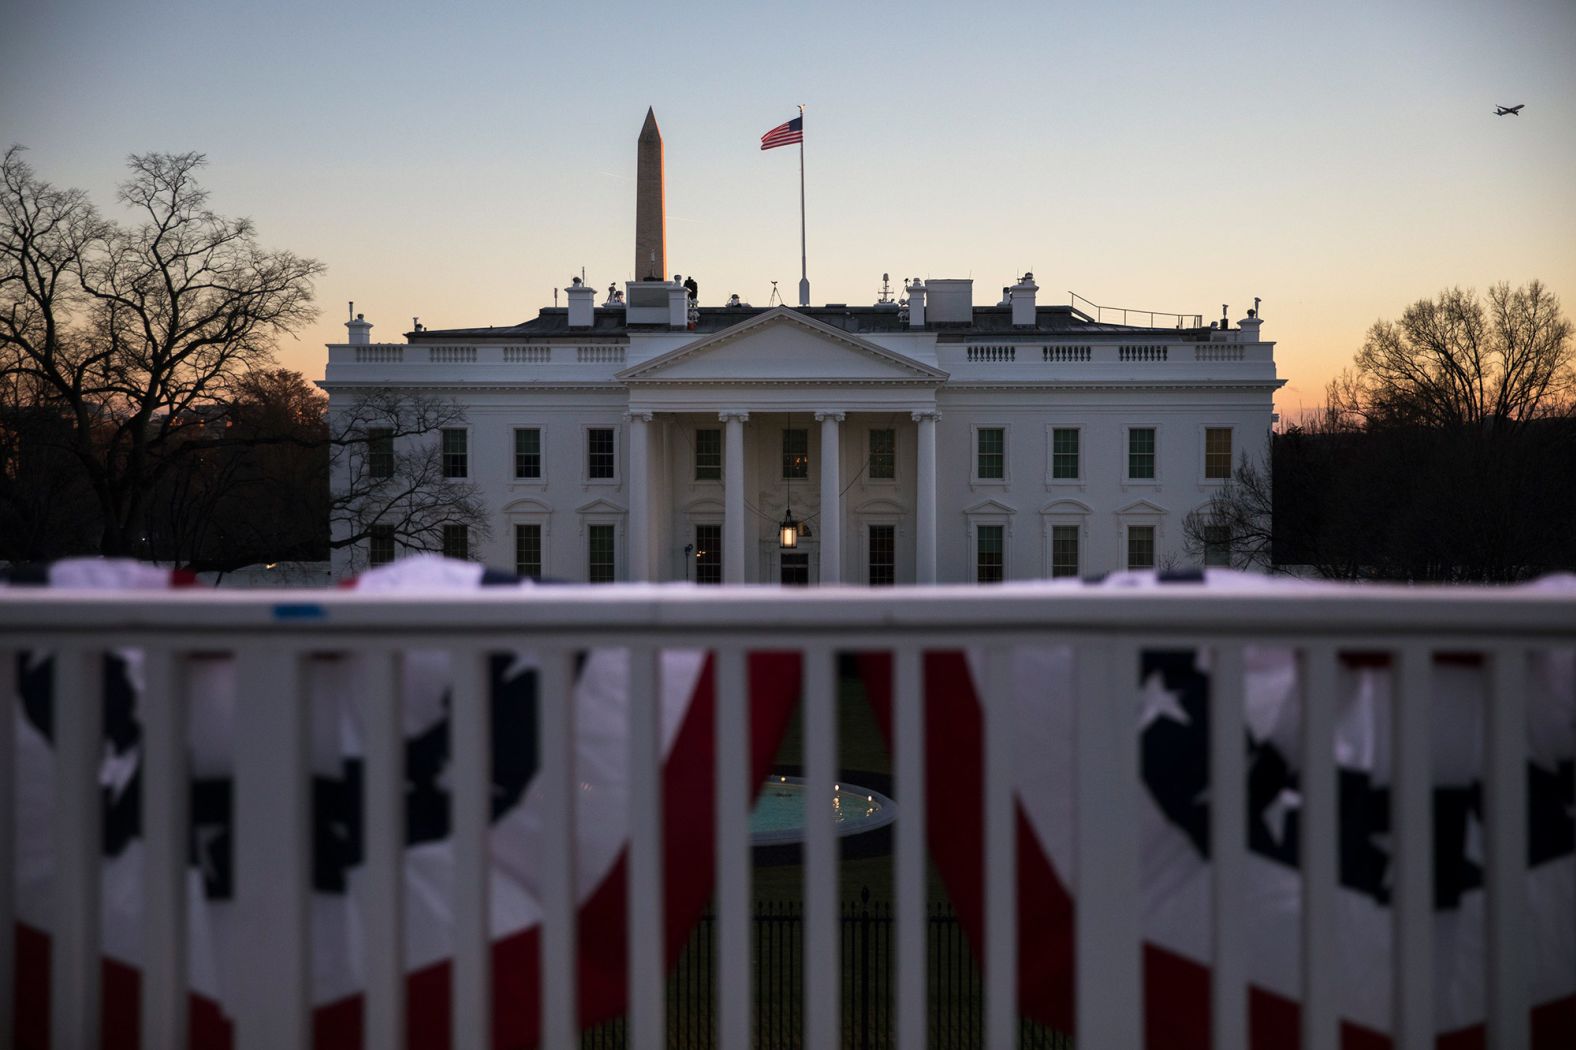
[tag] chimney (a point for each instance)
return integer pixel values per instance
(678, 303)
(951, 301)
(1023, 302)
(582, 304)
(360, 329)
(1249, 328)
(916, 303)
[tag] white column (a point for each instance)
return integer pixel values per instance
(925, 499)
(831, 498)
(639, 498)
(733, 496)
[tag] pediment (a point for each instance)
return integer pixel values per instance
(599, 506)
(990, 506)
(1066, 506)
(1142, 506)
(782, 346)
(528, 505)
(881, 505)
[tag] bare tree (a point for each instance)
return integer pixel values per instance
(388, 473)
(128, 332)
(1454, 361)
(1237, 522)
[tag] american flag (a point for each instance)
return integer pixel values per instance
(784, 134)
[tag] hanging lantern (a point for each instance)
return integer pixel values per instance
(788, 532)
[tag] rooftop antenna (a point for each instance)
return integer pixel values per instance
(1255, 306)
(886, 288)
(1225, 312)
(352, 316)
(775, 300)
(555, 297)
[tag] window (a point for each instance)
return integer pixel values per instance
(380, 452)
(883, 455)
(1140, 546)
(708, 553)
(794, 569)
(1064, 453)
(987, 556)
(1217, 544)
(380, 545)
(1064, 550)
(796, 454)
(599, 561)
(708, 455)
(991, 456)
(883, 554)
(456, 460)
(1217, 452)
(528, 551)
(456, 542)
(527, 453)
(1141, 453)
(599, 455)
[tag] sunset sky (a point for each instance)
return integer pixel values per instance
(1337, 159)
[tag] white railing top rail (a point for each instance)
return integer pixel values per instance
(1335, 612)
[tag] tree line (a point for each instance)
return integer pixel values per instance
(142, 412)
(1446, 452)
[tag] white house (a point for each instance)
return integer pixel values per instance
(928, 439)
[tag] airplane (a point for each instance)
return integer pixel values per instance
(1509, 111)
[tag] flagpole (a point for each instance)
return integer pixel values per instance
(804, 270)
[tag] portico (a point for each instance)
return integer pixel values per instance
(779, 385)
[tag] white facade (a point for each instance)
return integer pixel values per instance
(949, 380)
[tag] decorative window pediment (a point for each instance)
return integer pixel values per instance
(989, 506)
(1142, 507)
(600, 506)
(527, 505)
(880, 506)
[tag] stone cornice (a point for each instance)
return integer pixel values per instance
(1120, 384)
(938, 386)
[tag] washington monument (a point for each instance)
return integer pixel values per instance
(651, 224)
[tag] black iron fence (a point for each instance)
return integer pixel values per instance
(955, 1002)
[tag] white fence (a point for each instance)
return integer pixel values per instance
(270, 633)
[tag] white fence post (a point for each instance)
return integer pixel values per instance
(470, 774)
(1109, 955)
(647, 936)
(383, 736)
(908, 719)
(10, 703)
(1001, 854)
(272, 851)
(734, 791)
(1318, 850)
(75, 999)
(560, 911)
(1228, 849)
(1412, 835)
(166, 792)
(823, 1011)
(1505, 877)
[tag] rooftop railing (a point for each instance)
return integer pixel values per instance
(1128, 316)
(271, 637)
